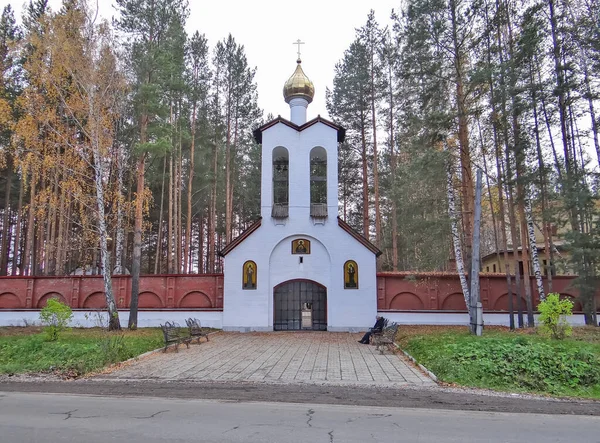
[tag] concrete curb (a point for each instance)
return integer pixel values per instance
(423, 368)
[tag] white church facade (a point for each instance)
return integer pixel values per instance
(300, 266)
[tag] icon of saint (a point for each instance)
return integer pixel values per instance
(351, 276)
(300, 248)
(249, 283)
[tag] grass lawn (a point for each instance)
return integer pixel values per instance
(76, 352)
(519, 361)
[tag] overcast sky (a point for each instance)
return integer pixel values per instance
(268, 28)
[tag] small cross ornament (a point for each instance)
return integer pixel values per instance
(298, 42)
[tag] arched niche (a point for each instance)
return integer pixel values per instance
(95, 300)
(281, 182)
(350, 275)
(501, 303)
(318, 182)
(249, 275)
(405, 301)
(44, 299)
(454, 302)
(149, 299)
(8, 300)
(195, 299)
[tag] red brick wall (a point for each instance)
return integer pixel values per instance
(156, 291)
(395, 291)
(442, 291)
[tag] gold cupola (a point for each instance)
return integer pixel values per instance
(298, 86)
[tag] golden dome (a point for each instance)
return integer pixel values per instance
(298, 86)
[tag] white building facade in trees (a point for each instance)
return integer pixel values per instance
(300, 266)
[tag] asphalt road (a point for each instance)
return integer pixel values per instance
(416, 397)
(57, 418)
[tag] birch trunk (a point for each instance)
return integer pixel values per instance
(460, 265)
(533, 250)
(113, 315)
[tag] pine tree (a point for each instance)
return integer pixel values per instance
(146, 24)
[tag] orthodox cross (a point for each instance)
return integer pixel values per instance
(298, 42)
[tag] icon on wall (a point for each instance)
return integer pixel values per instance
(350, 275)
(249, 275)
(301, 246)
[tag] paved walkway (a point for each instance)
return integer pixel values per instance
(278, 357)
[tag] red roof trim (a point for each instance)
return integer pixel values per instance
(240, 238)
(366, 243)
(341, 132)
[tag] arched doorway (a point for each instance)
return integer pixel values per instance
(299, 305)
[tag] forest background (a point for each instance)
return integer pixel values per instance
(127, 147)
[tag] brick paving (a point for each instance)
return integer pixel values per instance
(278, 357)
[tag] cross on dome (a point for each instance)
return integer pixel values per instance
(299, 86)
(298, 42)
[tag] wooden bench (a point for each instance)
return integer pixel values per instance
(173, 336)
(195, 330)
(386, 337)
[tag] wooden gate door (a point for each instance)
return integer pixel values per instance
(292, 298)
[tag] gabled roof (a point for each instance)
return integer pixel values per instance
(341, 132)
(345, 226)
(366, 243)
(240, 238)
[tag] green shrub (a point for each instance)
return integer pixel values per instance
(553, 312)
(506, 362)
(55, 316)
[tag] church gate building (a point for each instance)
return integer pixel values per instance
(300, 266)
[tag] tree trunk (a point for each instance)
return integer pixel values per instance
(60, 240)
(27, 262)
(201, 268)
(393, 179)
(159, 240)
(120, 219)
(188, 226)
(170, 219)
(542, 175)
(467, 196)
(17, 243)
(137, 242)
(212, 221)
(113, 315)
(560, 91)
(228, 172)
(4, 248)
(365, 181)
(460, 265)
(375, 157)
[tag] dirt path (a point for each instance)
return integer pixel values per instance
(408, 397)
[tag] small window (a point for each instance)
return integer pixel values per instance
(494, 268)
(318, 182)
(521, 268)
(280, 182)
(487, 269)
(545, 265)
